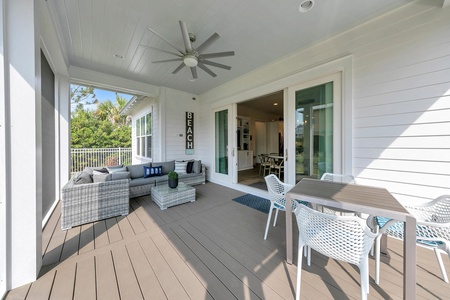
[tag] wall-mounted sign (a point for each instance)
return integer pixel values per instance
(189, 132)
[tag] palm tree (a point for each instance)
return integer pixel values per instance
(111, 112)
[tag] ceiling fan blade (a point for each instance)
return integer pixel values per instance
(161, 50)
(174, 47)
(167, 60)
(218, 54)
(185, 34)
(214, 64)
(208, 42)
(178, 68)
(206, 69)
(194, 72)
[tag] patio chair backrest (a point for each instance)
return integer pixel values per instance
(345, 238)
(338, 178)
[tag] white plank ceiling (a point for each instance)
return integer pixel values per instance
(92, 32)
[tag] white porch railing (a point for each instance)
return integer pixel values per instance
(98, 157)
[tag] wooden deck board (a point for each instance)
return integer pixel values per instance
(212, 248)
(106, 277)
(169, 282)
(85, 283)
(126, 278)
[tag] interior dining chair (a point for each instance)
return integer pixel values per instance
(277, 167)
(264, 164)
(277, 196)
(432, 230)
(344, 238)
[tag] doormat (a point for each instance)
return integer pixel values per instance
(255, 202)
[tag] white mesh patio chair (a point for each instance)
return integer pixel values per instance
(344, 238)
(432, 230)
(342, 178)
(277, 191)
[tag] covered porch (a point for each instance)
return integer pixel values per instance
(212, 248)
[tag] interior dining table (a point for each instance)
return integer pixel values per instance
(364, 199)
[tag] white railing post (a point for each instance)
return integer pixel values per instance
(120, 159)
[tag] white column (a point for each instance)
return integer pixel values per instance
(21, 162)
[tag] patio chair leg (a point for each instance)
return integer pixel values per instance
(441, 264)
(299, 271)
(268, 221)
(276, 217)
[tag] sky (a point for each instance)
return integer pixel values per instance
(103, 95)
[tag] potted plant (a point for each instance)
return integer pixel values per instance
(173, 179)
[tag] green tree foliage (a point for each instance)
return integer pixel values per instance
(101, 128)
(81, 95)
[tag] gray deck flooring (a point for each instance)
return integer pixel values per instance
(212, 248)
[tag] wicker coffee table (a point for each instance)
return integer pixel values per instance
(165, 197)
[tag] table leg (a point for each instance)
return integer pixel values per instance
(289, 249)
(409, 259)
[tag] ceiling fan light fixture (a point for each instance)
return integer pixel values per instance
(305, 6)
(190, 60)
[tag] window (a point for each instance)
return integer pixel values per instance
(144, 136)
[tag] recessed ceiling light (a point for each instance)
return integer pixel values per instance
(275, 104)
(305, 6)
(118, 56)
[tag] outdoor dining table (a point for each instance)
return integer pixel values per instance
(363, 199)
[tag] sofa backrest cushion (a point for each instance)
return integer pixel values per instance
(167, 166)
(120, 175)
(116, 169)
(137, 171)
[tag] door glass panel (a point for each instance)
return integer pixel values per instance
(314, 131)
(221, 136)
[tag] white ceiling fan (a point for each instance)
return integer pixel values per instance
(193, 57)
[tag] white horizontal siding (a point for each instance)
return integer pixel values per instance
(176, 105)
(401, 97)
(402, 104)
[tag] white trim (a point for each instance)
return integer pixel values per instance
(109, 82)
(4, 161)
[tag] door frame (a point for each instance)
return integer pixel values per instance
(341, 120)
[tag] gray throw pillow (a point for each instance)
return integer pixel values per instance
(82, 178)
(137, 171)
(116, 169)
(102, 177)
(167, 166)
(197, 167)
(120, 175)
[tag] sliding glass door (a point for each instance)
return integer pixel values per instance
(224, 152)
(314, 128)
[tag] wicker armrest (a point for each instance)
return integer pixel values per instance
(84, 203)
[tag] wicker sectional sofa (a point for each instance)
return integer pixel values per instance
(100, 193)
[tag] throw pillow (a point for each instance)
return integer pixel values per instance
(152, 171)
(197, 167)
(120, 175)
(102, 177)
(116, 169)
(82, 178)
(189, 166)
(180, 167)
(100, 171)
